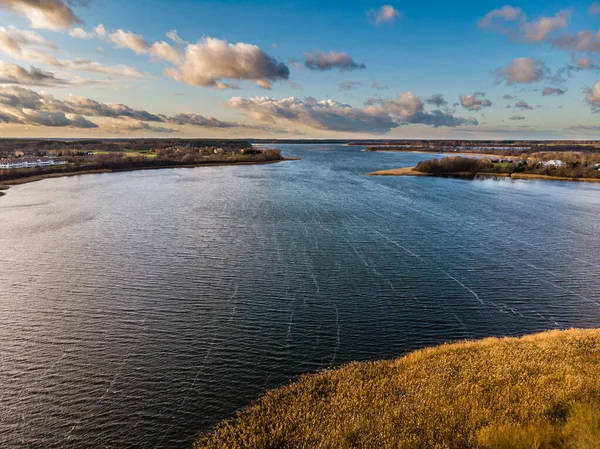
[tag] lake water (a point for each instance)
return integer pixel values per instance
(138, 309)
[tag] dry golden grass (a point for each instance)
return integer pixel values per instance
(531, 392)
(406, 171)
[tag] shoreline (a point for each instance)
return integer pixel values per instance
(5, 185)
(456, 153)
(410, 171)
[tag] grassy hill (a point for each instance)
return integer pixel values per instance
(539, 391)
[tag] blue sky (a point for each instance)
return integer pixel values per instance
(344, 69)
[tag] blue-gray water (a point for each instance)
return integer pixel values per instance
(138, 309)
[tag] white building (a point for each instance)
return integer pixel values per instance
(30, 162)
(554, 163)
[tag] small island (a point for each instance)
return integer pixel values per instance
(23, 161)
(567, 166)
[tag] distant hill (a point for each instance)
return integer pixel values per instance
(539, 391)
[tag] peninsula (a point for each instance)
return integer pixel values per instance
(23, 161)
(560, 166)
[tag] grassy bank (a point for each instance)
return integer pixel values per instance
(539, 391)
(411, 171)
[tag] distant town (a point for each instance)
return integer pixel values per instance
(23, 160)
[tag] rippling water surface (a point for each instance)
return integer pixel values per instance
(138, 309)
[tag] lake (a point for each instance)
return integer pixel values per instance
(138, 309)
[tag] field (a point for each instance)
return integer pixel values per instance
(539, 391)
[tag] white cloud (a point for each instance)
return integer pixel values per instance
(494, 18)
(323, 61)
(385, 14)
(132, 41)
(513, 22)
(32, 47)
(592, 96)
(50, 14)
(175, 38)
(522, 70)
(475, 102)
(537, 31)
(211, 61)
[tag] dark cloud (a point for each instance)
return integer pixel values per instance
(323, 61)
(349, 85)
(521, 104)
(475, 102)
(379, 86)
(437, 100)
(199, 120)
(379, 116)
(20, 105)
(552, 91)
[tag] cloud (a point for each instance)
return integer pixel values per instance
(379, 117)
(592, 96)
(537, 31)
(437, 100)
(552, 91)
(379, 86)
(585, 41)
(175, 37)
(54, 15)
(30, 46)
(210, 61)
(56, 119)
(521, 104)
(385, 14)
(594, 8)
(132, 41)
(475, 102)
(349, 85)
(86, 106)
(199, 120)
(517, 117)
(507, 97)
(27, 45)
(207, 63)
(323, 61)
(21, 105)
(513, 22)
(143, 126)
(15, 74)
(522, 70)
(506, 13)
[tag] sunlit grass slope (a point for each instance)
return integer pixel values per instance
(539, 391)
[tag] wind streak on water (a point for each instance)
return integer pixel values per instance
(138, 309)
